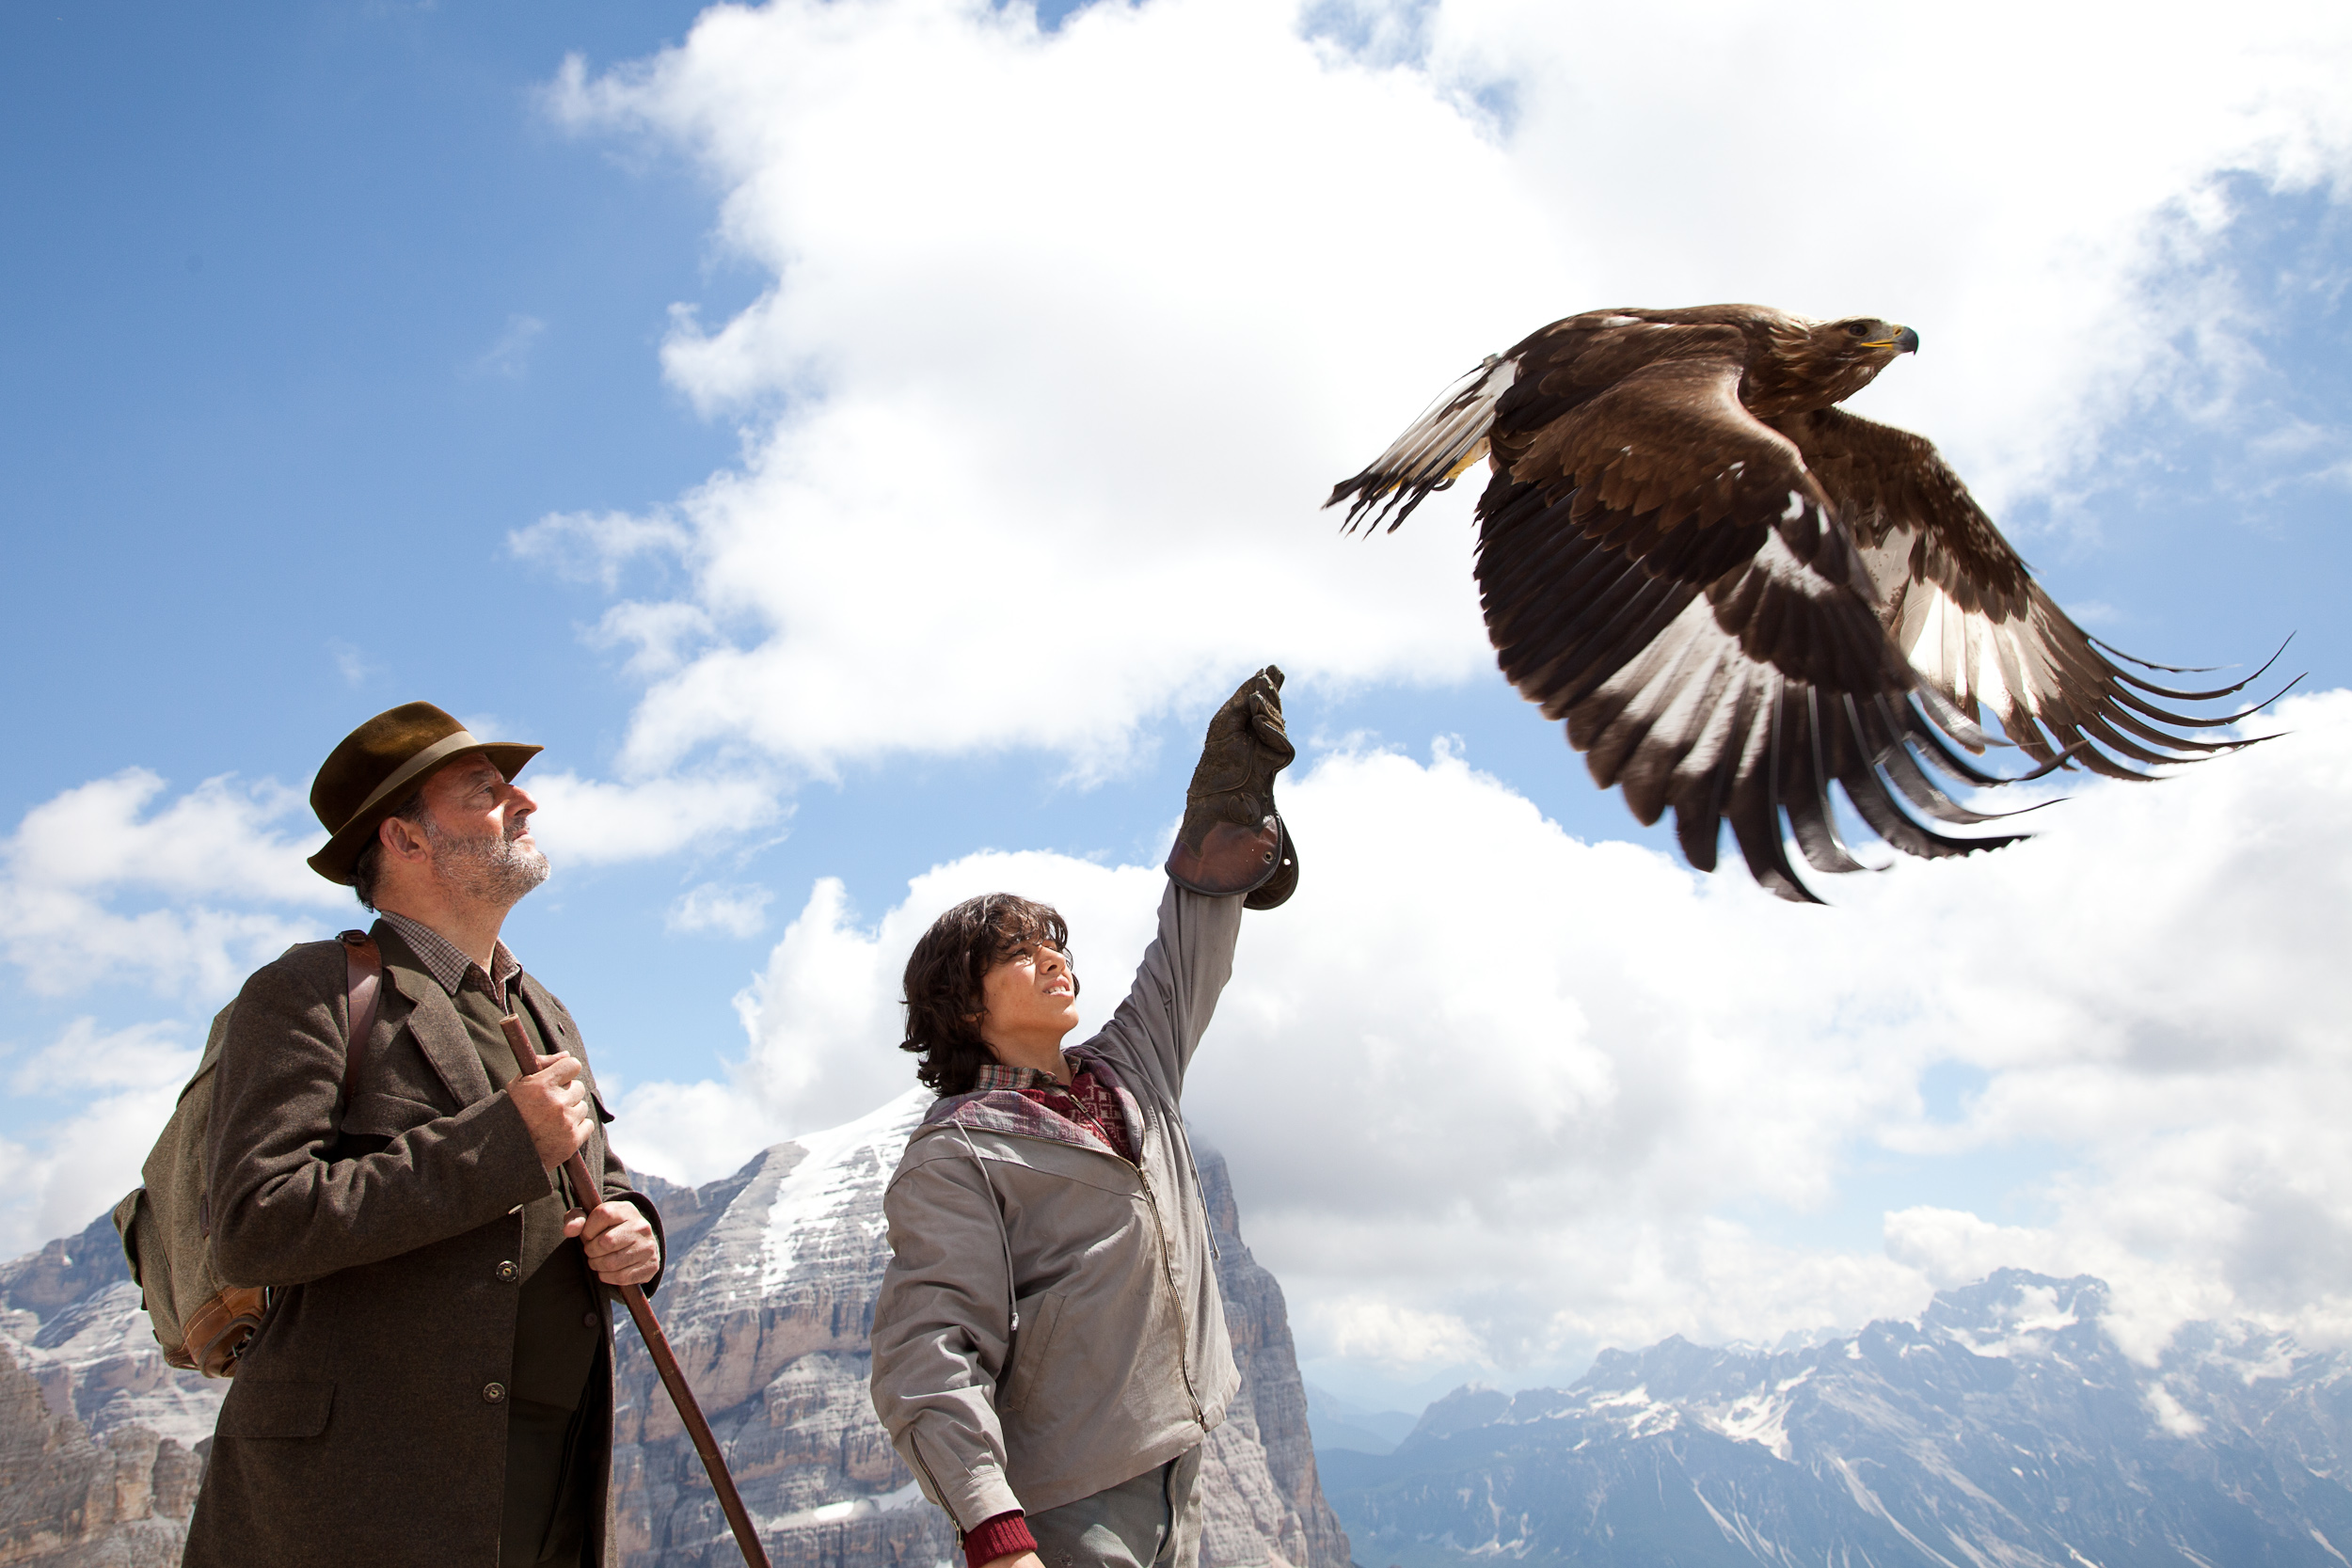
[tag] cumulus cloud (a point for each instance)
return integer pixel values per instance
(125, 1084)
(586, 821)
(690, 1131)
(1398, 1339)
(117, 879)
(738, 912)
(1518, 1095)
(108, 879)
(593, 547)
(1079, 331)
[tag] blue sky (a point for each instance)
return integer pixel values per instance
(317, 315)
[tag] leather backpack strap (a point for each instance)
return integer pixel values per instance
(363, 975)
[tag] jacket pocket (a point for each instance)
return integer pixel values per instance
(277, 1409)
(376, 1114)
(1031, 1346)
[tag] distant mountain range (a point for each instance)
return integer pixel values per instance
(1344, 1424)
(2004, 1428)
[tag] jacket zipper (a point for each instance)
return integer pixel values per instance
(1159, 1231)
(1168, 1273)
(939, 1493)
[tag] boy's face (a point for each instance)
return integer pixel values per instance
(1031, 997)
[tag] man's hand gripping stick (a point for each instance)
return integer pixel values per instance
(589, 1191)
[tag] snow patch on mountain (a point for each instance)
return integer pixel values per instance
(835, 1170)
(2007, 1425)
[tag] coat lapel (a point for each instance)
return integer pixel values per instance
(557, 1033)
(440, 1034)
(555, 1024)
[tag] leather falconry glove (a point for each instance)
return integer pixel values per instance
(1233, 840)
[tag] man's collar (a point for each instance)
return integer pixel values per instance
(445, 961)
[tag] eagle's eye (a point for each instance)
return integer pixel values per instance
(1858, 329)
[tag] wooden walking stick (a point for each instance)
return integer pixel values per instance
(585, 1187)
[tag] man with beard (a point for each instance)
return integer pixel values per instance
(433, 1378)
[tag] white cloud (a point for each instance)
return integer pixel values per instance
(1399, 1341)
(594, 821)
(1545, 1094)
(115, 881)
(353, 664)
(690, 1131)
(218, 870)
(221, 838)
(593, 547)
(78, 1168)
(1068, 342)
(509, 356)
(739, 911)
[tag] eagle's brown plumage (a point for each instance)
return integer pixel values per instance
(1735, 593)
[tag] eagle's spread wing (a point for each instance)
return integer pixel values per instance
(1660, 569)
(1960, 604)
(1734, 604)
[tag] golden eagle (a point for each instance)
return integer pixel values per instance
(1735, 593)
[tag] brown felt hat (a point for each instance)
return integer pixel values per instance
(379, 765)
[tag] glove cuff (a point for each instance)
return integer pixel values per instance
(1276, 890)
(1231, 859)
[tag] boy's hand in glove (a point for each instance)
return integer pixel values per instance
(1233, 840)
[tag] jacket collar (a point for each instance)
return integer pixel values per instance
(1010, 1110)
(432, 1018)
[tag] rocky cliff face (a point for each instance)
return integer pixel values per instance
(1261, 1496)
(2004, 1427)
(769, 1290)
(99, 1437)
(768, 1296)
(767, 1303)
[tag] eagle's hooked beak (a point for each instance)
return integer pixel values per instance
(1904, 341)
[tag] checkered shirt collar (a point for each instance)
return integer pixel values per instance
(996, 1075)
(447, 963)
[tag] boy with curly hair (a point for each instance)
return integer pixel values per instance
(1049, 1345)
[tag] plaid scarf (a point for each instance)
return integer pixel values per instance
(1085, 1102)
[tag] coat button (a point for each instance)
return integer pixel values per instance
(589, 1319)
(494, 1393)
(507, 1270)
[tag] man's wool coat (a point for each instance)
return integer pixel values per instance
(367, 1421)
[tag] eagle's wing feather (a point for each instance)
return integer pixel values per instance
(1960, 604)
(1450, 435)
(1660, 570)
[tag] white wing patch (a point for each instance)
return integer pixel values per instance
(1680, 693)
(1450, 435)
(1969, 658)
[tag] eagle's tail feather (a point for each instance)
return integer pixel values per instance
(1434, 450)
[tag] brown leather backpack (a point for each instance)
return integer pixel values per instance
(167, 1225)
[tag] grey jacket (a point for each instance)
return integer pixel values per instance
(998, 1208)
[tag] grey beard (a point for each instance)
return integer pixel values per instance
(487, 870)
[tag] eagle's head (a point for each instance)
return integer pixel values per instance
(1867, 338)
(1814, 364)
